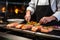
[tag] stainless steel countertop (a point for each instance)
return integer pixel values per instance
(13, 37)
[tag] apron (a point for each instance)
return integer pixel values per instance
(41, 11)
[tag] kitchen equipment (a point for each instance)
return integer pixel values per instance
(15, 20)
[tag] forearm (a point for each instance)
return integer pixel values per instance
(28, 12)
(31, 6)
(53, 17)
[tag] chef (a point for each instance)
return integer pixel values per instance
(45, 11)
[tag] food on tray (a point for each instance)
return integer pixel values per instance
(27, 26)
(46, 29)
(33, 26)
(11, 25)
(19, 26)
(32, 23)
(36, 28)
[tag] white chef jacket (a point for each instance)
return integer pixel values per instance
(33, 3)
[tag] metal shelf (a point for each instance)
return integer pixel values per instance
(17, 3)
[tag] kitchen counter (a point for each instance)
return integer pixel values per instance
(12, 37)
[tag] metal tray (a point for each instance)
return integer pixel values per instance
(51, 34)
(15, 20)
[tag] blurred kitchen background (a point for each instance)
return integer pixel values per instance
(11, 9)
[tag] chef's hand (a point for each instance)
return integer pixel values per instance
(45, 20)
(28, 16)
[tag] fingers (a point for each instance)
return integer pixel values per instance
(27, 18)
(45, 20)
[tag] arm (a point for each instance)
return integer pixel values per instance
(57, 13)
(55, 16)
(30, 10)
(31, 7)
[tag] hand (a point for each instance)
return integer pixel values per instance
(45, 20)
(27, 16)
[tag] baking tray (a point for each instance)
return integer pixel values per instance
(54, 33)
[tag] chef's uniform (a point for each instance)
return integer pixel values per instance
(42, 8)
